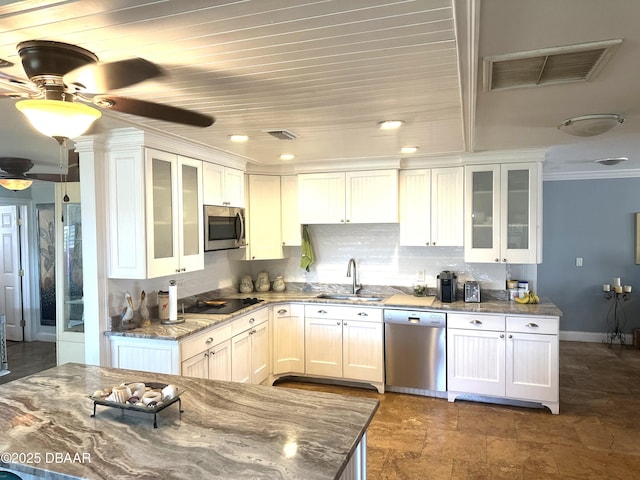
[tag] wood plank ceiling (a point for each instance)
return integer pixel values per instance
(328, 71)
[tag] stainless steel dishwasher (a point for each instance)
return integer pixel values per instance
(415, 349)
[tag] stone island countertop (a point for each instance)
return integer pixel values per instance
(227, 430)
(198, 322)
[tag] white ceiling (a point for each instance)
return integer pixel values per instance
(330, 70)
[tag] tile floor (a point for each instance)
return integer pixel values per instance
(596, 436)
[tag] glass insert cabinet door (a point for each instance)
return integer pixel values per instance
(163, 172)
(73, 316)
(518, 199)
(191, 212)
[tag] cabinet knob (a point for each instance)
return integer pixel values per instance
(532, 325)
(502, 335)
(348, 220)
(322, 312)
(497, 260)
(426, 243)
(282, 311)
(212, 352)
(510, 336)
(363, 314)
(433, 243)
(251, 320)
(206, 355)
(475, 322)
(504, 260)
(337, 323)
(209, 340)
(345, 324)
(342, 220)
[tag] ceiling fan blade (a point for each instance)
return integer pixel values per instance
(23, 88)
(157, 111)
(107, 76)
(73, 175)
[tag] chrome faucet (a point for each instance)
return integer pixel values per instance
(356, 287)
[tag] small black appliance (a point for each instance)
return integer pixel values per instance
(446, 287)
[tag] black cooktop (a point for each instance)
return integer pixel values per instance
(230, 305)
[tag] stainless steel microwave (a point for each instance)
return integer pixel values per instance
(224, 228)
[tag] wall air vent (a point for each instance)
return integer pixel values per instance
(572, 63)
(283, 134)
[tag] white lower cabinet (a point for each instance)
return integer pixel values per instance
(147, 355)
(345, 342)
(288, 338)
(512, 357)
(250, 348)
(207, 355)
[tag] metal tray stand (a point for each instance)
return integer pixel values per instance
(146, 409)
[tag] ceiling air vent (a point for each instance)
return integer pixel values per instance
(283, 134)
(572, 63)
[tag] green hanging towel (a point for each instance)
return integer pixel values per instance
(307, 250)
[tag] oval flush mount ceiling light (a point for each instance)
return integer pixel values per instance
(611, 161)
(590, 125)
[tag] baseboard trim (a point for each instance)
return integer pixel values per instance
(591, 337)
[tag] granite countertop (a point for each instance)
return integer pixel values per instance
(228, 430)
(197, 322)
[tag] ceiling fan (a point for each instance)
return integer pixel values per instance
(14, 172)
(64, 78)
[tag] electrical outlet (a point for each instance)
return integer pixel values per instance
(578, 261)
(420, 276)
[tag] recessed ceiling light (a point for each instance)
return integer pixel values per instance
(409, 149)
(287, 156)
(238, 138)
(390, 124)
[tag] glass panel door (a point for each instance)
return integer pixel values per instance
(162, 209)
(191, 212)
(482, 209)
(518, 195)
(72, 268)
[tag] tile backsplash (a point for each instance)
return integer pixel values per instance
(375, 248)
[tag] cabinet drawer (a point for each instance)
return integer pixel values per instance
(473, 321)
(288, 310)
(249, 320)
(337, 312)
(542, 325)
(203, 341)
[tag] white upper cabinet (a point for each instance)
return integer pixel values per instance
(503, 213)
(155, 213)
(291, 234)
(348, 197)
(432, 207)
(264, 234)
(175, 235)
(223, 185)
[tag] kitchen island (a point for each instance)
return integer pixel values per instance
(227, 430)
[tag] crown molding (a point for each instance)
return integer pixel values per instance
(591, 175)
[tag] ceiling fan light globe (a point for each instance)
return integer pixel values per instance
(55, 118)
(15, 184)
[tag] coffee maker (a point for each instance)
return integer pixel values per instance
(446, 287)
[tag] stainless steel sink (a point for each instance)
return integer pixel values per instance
(337, 296)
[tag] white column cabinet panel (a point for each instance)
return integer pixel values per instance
(264, 212)
(147, 355)
(241, 357)
(219, 359)
(291, 234)
(250, 348)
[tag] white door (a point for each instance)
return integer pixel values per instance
(362, 350)
(10, 281)
(323, 347)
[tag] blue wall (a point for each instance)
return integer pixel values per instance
(595, 220)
